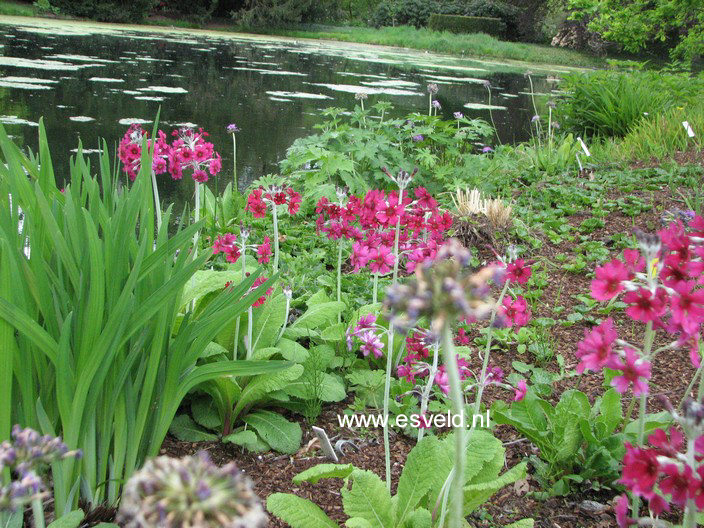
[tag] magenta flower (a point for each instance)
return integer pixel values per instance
(635, 370)
(645, 305)
(520, 391)
(640, 470)
(678, 483)
(595, 350)
(264, 251)
(687, 306)
(442, 380)
(381, 261)
(518, 271)
(621, 508)
(371, 344)
(516, 311)
(609, 280)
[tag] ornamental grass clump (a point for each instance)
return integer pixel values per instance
(190, 492)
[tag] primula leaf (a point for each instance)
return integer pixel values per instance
(214, 349)
(368, 498)
(207, 281)
(267, 322)
(186, 430)
(331, 389)
(298, 512)
(523, 523)
(476, 494)
(357, 522)
(317, 316)
(205, 412)
(611, 413)
(417, 477)
(259, 386)
(292, 350)
(246, 439)
(321, 471)
(282, 435)
(420, 518)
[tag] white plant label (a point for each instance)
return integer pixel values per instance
(584, 147)
(688, 128)
(325, 444)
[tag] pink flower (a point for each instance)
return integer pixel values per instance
(635, 370)
(200, 176)
(256, 204)
(609, 279)
(381, 261)
(371, 344)
(687, 306)
(294, 203)
(622, 508)
(644, 305)
(264, 251)
(257, 282)
(640, 470)
(425, 200)
(678, 483)
(667, 446)
(516, 311)
(595, 349)
(442, 380)
(389, 213)
(520, 391)
(518, 271)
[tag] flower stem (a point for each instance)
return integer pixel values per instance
(38, 513)
(396, 238)
(376, 287)
(276, 239)
(237, 324)
(234, 163)
(339, 277)
(428, 387)
(283, 328)
(690, 508)
(249, 332)
(387, 395)
(457, 398)
(487, 351)
(197, 219)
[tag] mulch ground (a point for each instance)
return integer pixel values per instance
(672, 371)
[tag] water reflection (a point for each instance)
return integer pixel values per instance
(89, 83)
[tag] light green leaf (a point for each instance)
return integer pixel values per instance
(420, 518)
(357, 522)
(523, 523)
(331, 389)
(277, 431)
(246, 439)
(321, 471)
(205, 413)
(368, 498)
(417, 477)
(186, 430)
(70, 520)
(267, 322)
(265, 353)
(298, 512)
(477, 494)
(292, 350)
(318, 315)
(259, 386)
(207, 281)
(334, 333)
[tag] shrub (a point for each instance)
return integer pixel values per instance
(106, 10)
(467, 24)
(404, 13)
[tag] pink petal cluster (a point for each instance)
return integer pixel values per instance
(515, 311)
(370, 222)
(259, 199)
(364, 331)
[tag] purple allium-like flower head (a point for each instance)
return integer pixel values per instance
(458, 115)
(487, 149)
(436, 104)
(418, 137)
(232, 128)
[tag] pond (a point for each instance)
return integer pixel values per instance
(92, 80)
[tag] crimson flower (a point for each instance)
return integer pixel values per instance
(645, 305)
(635, 370)
(678, 483)
(609, 280)
(518, 271)
(595, 349)
(640, 470)
(516, 311)
(521, 390)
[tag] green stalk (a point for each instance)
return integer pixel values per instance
(487, 351)
(276, 239)
(249, 332)
(428, 387)
(457, 398)
(430, 105)
(389, 355)
(283, 328)
(237, 324)
(647, 347)
(491, 116)
(38, 513)
(339, 277)
(690, 509)
(376, 287)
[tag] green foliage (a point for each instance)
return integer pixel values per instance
(352, 151)
(635, 24)
(267, 13)
(578, 443)
(609, 104)
(106, 10)
(467, 24)
(104, 349)
(367, 502)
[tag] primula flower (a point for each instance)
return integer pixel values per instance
(609, 280)
(190, 151)
(381, 260)
(257, 282)
(687, 306)
(442, 381)
(640, 470)
(516, 311)
(635, 370)
(371, 344)
(678, 483)
(667, 446)
(621, 508)
(645, 305)
(264, 251)
(521, 390)
(518, 271)
(595, 350)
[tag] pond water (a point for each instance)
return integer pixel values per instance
(92, 80)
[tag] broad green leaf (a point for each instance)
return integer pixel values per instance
(186, 430)
(298, 512)
(420, 518)
(215, 349)
(477, 494)
(15, 520)
(292, 350)
(417, 477)
(207, 281)
(268, 321)
(318, 315)
(246, 439)
(205, 412)
(266, 353)
(334, 333)
(321, 471)
(329, 388)
(523, 523)
(368, 498)
(259, 386)
(611, 413)
(277, 431)
(357, 522)
(70, 520)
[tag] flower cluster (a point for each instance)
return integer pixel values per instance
(189, 151)
(370, 222)
(259, 200)
(661, 472)
(130, 151)
(661, 287)
(233, 247)
(26, 455)
(191, 491)
(257, 282)
(514, 312)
